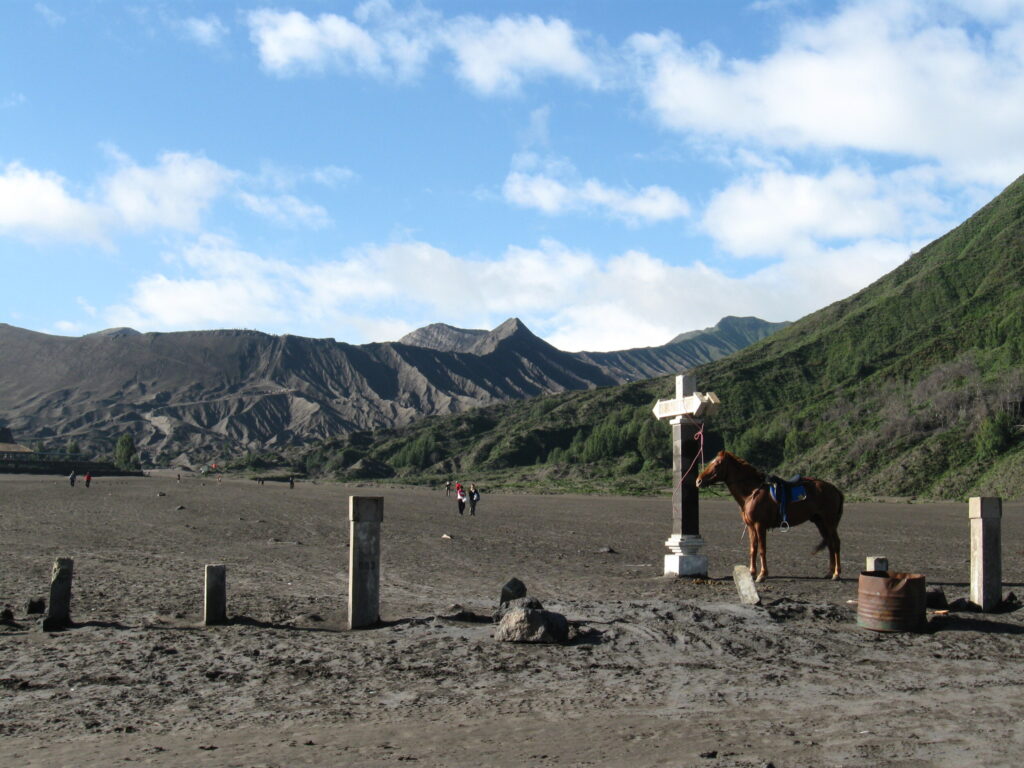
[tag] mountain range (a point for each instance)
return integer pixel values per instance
(913, 386)
(209, 393)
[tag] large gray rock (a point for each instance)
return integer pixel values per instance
(524, 625)
(526, 603)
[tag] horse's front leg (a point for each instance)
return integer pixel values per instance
(752, 550)
(762, 532)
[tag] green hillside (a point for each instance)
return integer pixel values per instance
(912, 387)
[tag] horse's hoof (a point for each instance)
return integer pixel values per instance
(835, 577)
(760, 578)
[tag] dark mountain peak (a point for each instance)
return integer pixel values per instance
(443, 338)
(116, 332)
(511, 332)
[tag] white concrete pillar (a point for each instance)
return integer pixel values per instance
(215, 595)
(986, 514)
(365, 514)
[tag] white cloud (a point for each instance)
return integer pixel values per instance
(572, 298)
(36, 206)
(554, 190)
(291, 41)
(13, 99)
(495, 56)
(228, 288)
(491, 56)
(208, 31)
(877, 76)
(172, 194)
(286, 209)
(86, 306)
(49, 15)
(776, 212)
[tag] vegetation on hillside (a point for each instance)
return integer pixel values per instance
(912, 387)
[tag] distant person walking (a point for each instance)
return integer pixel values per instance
(447, 487)
(474, 497)
(72, 477)
(460, 497)
(88, 479)
(291, 482)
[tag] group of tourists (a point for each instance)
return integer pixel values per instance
(462, 496)
(74, 476)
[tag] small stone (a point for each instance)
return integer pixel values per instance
(36, 605)
(179, 508)
(606, 551)
(160, 493)
(512, 590)
(445, 536)
(711, 753)
(935, 599)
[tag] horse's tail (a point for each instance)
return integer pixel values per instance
(839, 515)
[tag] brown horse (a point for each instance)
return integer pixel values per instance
(823, 507)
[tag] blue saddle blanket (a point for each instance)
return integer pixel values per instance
(785, 492)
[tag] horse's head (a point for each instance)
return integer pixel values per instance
(712, 472)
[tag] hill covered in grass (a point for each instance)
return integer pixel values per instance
(913, 386)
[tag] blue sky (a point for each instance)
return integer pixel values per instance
(612, 173)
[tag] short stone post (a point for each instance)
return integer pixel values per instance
(745, 585)
(876, 563)
(58, 614)
(215, 596)
(365, 514)
(986, 514)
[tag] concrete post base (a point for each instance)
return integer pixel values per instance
(685, 558)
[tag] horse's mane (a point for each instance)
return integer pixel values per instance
(745, 463)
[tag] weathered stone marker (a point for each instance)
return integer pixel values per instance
(215, 596)
(745, 585)
(682, 412)
(58, 614)
(986, 514)
(365, 514)
(876, 563)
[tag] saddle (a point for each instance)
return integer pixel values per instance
(784, 492)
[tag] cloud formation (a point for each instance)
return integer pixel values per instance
(777, 212)
(899, 78)
(173, 194)
(491, 56)
(551, 187)
(627, 300)
(208, 31)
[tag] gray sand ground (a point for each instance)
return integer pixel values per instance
(663, 671)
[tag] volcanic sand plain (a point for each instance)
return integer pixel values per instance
(659, 672)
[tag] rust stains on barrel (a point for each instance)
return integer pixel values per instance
(891, 602)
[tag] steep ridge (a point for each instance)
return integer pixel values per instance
(443, 338)
(685, 351)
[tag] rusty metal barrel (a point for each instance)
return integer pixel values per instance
(891, 602)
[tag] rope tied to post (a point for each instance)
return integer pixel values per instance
(699, 437)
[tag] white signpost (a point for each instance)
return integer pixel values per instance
(682, 413)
